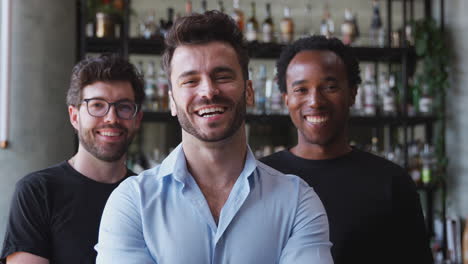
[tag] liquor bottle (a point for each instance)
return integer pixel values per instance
(376, 33)
(166, 25)
(251, 109)
(274, 97)
(251, 28)
(426, 101)
(204, 7)
(150, 87)
(349, 29)
(414, 162)
(163, 88)
(358, 107)
(308, 14)
(150, 27)
(140, 68)
(389, 98)
(327, 26)
(260, 85)
(238, 15)
(427, 159)
(287, 26)
(221, 6)
(188, 7)
(369, 89)
(268, 29)
(374, 149)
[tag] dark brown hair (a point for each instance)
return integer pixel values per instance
(105, 68)
(203, 28)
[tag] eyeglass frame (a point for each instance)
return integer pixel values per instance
(115, 104)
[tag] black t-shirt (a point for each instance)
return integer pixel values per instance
(55, 213)
(372, 205)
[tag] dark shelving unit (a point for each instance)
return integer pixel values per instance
(404, 56)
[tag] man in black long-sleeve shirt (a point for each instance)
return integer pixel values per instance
(372, 204)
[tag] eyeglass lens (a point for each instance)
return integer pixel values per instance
(100, 107)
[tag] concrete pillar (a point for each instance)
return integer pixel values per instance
(43, 53)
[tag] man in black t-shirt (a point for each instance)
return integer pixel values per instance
(55, 212)
(372, 204)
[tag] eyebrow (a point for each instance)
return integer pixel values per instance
(223, 69)
(187, 73)
(327, 79)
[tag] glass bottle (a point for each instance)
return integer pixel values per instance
(238, 15)
(163, 89)
(260, 85)
(268, 29)
(389, 97)
(428, 161)
(188, 7)
(287, 26)
(150, 87)
(251, 27)
(327, 26)
(204, 7)
(369, 89)
(349, 29)
(221, 6)
(376, 33)
(426, 101)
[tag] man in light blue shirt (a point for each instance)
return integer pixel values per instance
(210, 201)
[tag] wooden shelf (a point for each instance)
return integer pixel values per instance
(256, 49)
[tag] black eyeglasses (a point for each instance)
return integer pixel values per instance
(100, 107)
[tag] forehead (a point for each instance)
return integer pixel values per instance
(112, 91)
(316, 62)
(201, 58)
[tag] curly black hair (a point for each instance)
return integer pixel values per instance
(317, 42)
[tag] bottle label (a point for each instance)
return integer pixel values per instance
(267, 30)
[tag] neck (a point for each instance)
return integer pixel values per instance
(96, 169)
(215, 163)
(307, 150)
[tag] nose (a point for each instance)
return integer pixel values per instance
(111, 116)
(315, 98)
(208, 88)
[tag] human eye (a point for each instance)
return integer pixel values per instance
(330, 88)
(96, 104)
(299, 90)
(223, 77)
(190, 82)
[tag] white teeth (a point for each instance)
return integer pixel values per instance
(316, 119)
(110, 134)
(211, 110)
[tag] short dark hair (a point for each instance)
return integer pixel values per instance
(203, 28)
(104, 68)
(317, 42)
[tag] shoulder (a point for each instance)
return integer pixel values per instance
(274, 158)
(42, 179)
(374, 162)
(275, 178)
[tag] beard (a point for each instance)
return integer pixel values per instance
(232, 127)
(109, 152)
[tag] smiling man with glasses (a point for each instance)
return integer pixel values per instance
(55, 212)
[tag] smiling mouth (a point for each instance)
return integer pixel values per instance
(210, 111)
(110, 134)
(316, 119)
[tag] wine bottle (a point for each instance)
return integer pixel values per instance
(251, 28)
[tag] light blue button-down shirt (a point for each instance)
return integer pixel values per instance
(161, 216)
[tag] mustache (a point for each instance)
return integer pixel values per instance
(116, 126)
(214, 100)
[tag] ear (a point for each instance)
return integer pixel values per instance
(285, 99)
(352, 94)
(138, 118)
(172, 104)
(73, 113)
(249, 93)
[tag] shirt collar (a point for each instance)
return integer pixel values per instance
(176, 165)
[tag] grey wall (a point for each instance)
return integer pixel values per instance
(43, 53)
(457, 102)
